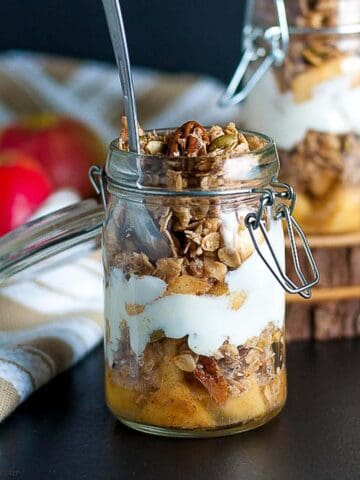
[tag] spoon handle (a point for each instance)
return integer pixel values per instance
(118, 38)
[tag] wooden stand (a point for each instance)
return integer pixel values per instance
(334, 309)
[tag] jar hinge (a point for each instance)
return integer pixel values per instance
(276, 39)
(253, 221)
(97, 177)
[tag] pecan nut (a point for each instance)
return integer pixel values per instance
(191, 140)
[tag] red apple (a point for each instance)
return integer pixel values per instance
(65, 147)
(24, 185)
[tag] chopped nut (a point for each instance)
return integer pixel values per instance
(188, 284)
(255, 142)
(183, 217)
(253, 359)
(214, 269)
(237, 300)
(155, 147)
(215, 132)
(318, 13)
(124, 134)
(190, 139)
(211, 225)
(185, 362)
(208, 373)
(168, 268)
(211, 242)
(193, 236)
(220, 288)
(230, 257)
(196, 267)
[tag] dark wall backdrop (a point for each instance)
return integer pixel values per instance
(187, 35)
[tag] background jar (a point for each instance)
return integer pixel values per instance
(194, 324)
(310, 104)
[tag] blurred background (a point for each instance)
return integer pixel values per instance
(60, 95)
(61, 105)
(191, 35)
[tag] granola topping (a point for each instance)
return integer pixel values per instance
(334, 158)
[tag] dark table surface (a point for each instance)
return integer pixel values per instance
(64, 431)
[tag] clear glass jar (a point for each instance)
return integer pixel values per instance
(193, 254)
(309, 102)
(194, 324)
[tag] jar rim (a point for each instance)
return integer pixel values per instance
(127, 171)
(114, 145)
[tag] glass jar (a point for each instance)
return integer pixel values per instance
(193, 255)
(304, 91)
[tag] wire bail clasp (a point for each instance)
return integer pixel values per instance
(276, 39)
(97, 178)
(283, 212)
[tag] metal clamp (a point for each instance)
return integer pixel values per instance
(276, 39)
(282, 211)
(98, 180)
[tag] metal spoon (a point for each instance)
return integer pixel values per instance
(118, 38)
(143, 226)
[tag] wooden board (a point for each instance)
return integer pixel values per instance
(334, 309)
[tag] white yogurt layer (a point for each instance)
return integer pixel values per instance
(207, 320)
(332, 108)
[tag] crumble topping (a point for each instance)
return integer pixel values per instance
(315, 58)
(321, 160)
(192, 156)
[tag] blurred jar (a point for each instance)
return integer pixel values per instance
(309, 102)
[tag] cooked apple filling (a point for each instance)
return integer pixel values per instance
(171, 386)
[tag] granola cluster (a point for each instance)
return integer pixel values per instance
(321, 160)
(324, 169)
(233, 369)
(315, 58)
(310, 60)
(199, 257)
(318, 13)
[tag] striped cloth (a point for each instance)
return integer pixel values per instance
(49, 322)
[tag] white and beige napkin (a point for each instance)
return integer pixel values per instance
(49, 322)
